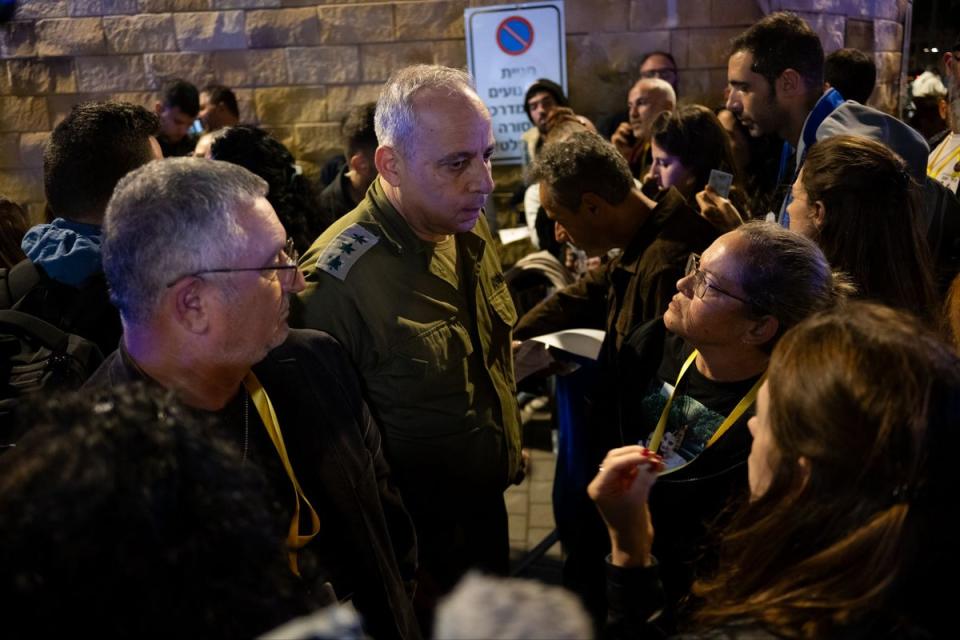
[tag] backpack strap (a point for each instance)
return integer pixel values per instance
(17, 281)
(23, 323)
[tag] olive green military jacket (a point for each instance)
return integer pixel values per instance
(435, 361)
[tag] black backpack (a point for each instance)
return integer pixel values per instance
(35, 356)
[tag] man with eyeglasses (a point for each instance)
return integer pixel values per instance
(202, 272)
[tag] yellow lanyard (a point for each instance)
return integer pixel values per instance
(933, 171)
(738, 411)
(264, 407)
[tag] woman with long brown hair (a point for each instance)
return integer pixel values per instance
(850, 472)
(856, 199)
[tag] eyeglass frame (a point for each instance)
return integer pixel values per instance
(659, 73)
(700, 281)
(289, 251)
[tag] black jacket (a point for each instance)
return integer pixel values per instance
(335, 449)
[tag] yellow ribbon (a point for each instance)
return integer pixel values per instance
(268, 416)
(728, 422)
(935, 170)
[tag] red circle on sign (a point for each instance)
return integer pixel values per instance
(517, 43)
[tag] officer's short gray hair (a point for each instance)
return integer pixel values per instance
(171, 218)
(395, 121)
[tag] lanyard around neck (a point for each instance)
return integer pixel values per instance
(935, 170)
(728, 422)
(268, 416)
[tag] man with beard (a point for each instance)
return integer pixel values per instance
(944, 162)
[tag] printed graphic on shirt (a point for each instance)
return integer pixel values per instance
(690, 425)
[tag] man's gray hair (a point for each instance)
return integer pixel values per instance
(583, 163)
(395, 121)
(171, 218)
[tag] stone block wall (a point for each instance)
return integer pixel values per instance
(297, 65)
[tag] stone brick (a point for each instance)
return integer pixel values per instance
(58, 106)
(37, 213)
(888, 66)
(17, 39)
(140, 34)
(341, 98)
(734, 12)
(22, 186)
(23, 114)
(285, 135)
(210, 31)
(680, 47)
(709, 47)
(703, 86)
(283, 27)
(379, 60)
(48, 75)
(541, 516)
(349, 25)
(587, 16)
(245, 102)
(38, 9)
(859, 35)
(887, 9)
(111, 73)
(316, 143)
(167, 6)
(320, 65)
(196, 67)
(290, 105)
(602, 67)
(5, 87)
(886, 97)
(646, 15)
(31, 148)
(887, 36)
(245, 4)
(74, 36)
(80, 8)
(830, 28)
(426, 21)
(9, 150)
(252, 68)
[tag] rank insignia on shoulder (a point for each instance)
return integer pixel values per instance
(344, 251)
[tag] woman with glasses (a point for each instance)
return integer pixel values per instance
(850, 471)
(688, 380)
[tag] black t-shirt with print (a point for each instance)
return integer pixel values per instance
(685, 501)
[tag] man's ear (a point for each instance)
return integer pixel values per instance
(762, 330)
(158, 108)
(389, 163)
(790, 84)
(359, 163)
(188, 299)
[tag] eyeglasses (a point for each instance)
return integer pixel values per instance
(700, 282)
(284, 270)
(664, 73)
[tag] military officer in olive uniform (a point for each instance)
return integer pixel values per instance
(410, 283)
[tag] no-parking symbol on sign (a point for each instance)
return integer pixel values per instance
(508, 48)
(515, 35)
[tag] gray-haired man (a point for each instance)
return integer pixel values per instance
(410, 284)
(201, 271)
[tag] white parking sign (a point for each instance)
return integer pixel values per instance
(508, 47)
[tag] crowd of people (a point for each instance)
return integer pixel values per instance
(761, 448)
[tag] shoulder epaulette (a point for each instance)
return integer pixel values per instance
(344, 250)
